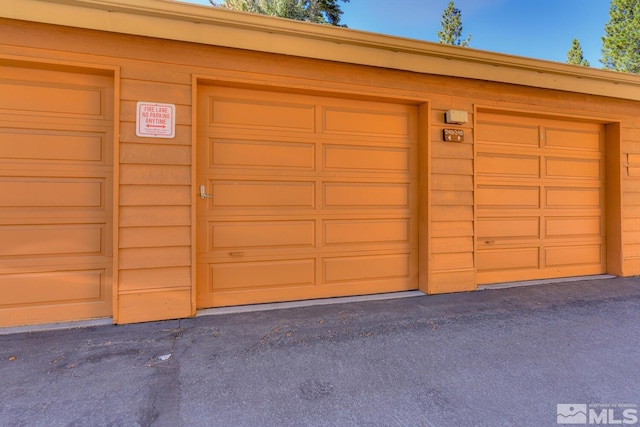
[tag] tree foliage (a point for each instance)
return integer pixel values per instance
(575, 55)
(451, 24)
(318, 11)
(621, 42)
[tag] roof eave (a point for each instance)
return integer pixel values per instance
(221, 27)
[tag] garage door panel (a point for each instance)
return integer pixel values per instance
(366, 194)
(588, 198)
(508, 196)
(509, 259)
(573, 168)
(491, 164)
(268, 234)
(378, 123)
(573, 255)
(279, 273)
(58, 99)
(261, 155)
(52, 146)
(263, 194)
(52, 287)
(358, 268)
(562, 227)
(262, 114)
(359, 158)
(510, 134)
(367, 231)
(574, 140)
(492, 230)
(24, 192)
(52, 240)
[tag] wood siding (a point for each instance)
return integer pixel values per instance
(155, 190)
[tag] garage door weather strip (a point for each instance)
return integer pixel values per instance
(306, 303)
(542, 282)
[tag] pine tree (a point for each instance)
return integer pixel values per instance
(318, 11)
(621, 42)
(575, 55)
(451, 24)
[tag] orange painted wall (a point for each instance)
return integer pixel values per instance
(154, 205)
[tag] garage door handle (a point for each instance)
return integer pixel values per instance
(204, 195)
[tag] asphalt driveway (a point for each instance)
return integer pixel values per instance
(526, 356)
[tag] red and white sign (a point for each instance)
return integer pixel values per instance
(155, 120)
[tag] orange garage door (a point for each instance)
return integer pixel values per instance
(312, 197)
(55, 195)
(539, 199)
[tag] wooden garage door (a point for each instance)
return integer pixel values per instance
(540, 198)
(312, 197)
(55, 195)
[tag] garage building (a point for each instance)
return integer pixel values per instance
(158, 158)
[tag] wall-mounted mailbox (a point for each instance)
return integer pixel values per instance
(453, 135)
(456, 117)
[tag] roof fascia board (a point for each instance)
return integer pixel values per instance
(220, 27)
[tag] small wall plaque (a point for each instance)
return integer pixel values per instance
(453, 135)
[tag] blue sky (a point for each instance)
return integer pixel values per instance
(540, 29)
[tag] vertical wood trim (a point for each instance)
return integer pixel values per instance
(194, 186)
(115, 287)
(542, 144)
(424, 199)
(613, 188)
(474, 177)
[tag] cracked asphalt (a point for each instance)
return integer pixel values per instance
(488, 358)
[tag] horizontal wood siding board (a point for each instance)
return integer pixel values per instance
(452, 198)
(452, 166)
(155, 278)
(155, 91)
(136, 258)
(451, 228)
(452, 213)
(155, 195)
(155, 174)
(146, 237)
(451, 150)
(440, 182)
(452, 281)
(631, 224)
(136, 216)
(631, 263)
(157, 304)
(449, 244)
(155, 154)
(451, 261)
